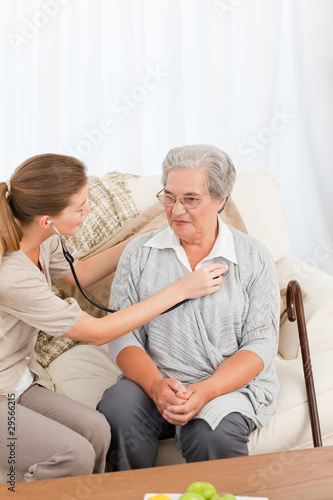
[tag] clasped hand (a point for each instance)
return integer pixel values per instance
(179, 404)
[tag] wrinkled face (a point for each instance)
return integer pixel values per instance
(194, 225)
(68, 221)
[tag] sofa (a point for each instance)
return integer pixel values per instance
(84, 371)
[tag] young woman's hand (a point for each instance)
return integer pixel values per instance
(204, 281)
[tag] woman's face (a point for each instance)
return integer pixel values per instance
(68, 221)
(196, 225)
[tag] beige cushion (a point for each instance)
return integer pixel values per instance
(83, 373)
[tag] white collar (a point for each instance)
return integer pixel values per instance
(223, 247)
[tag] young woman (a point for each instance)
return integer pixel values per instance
(54, 435)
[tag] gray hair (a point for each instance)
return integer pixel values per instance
(221, 170)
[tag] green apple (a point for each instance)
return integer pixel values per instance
(190, 495)
(223, 496)
(206, 490)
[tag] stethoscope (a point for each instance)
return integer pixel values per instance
(70, 259)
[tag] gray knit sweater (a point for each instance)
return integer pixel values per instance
(191, 341)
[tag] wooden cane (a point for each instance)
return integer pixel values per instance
(295, 310)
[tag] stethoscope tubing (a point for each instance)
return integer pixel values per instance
(70, 259)
(68, 256)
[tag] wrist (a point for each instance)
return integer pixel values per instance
(211, 389)
(178, 291)
(152, 390)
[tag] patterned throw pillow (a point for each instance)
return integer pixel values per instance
(111, 206)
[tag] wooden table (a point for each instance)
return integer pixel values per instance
(293, 475)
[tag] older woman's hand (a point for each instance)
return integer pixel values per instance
(234, 373)
(166, 392)
(183, 413)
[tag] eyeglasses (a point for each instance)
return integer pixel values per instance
(187, 201)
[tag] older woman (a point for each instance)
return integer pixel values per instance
(206, 368)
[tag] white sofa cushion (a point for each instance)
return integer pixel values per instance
(289, 426)
(264, 215)
(257, 197)
(318, 308)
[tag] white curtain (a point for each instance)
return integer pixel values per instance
(119, 82)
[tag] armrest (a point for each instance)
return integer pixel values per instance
(318, 308)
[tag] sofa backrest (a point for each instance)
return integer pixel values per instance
(256, 195)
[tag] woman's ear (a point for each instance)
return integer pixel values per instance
(222, 204)
(44, 221)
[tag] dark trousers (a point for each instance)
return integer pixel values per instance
(137, 426)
